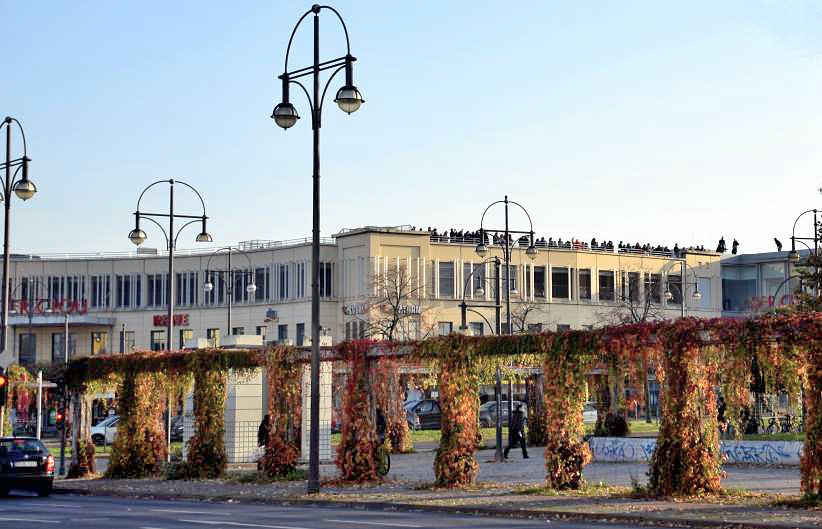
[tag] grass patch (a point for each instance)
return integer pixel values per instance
(775, 437)
(261, 478)
(808, 501)
(590, 490)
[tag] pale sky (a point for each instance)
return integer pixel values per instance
(642, 121)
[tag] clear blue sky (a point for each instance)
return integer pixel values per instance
(649, 121)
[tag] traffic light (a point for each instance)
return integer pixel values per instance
(4, 383)
(59, 417)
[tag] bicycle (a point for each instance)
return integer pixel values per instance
(383, 458)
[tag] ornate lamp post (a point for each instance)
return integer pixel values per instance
(285, 115)
(138, 236)
(24, 189)
(793, 255)
(208, 286)
(507, 249)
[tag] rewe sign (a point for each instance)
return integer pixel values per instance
(46, 306)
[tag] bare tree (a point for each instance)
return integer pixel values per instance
(521, 311)
(393, 310)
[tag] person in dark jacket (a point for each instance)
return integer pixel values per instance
(515, 432)
(262, 432)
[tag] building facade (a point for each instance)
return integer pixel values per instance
(755, 283)
(114, 303)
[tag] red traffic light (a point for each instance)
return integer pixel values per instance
(59, 416)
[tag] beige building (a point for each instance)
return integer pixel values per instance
(117, 302)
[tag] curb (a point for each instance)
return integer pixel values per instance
(549, 515)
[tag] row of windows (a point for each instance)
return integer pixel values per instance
(152, 290)
(564, 281)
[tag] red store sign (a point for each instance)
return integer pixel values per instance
(161, 320)
(45, 306)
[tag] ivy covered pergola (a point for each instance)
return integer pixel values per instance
(692, 358)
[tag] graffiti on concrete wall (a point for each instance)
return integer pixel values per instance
(640, 450)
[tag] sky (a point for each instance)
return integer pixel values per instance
(660, 122)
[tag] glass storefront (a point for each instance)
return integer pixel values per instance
(738, 287)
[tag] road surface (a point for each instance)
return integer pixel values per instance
(82, 512)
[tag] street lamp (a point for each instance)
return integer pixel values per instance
(285, 115)
(507, 248)
(138, 236)
(793, 255)
(24, 188)
(208, 286)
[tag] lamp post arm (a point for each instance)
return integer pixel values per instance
(327, 83)
(316, 9)
(782, 284)
(793, 230)
(140, 198)
(482, 219)
(183, 227)
(202, 202)
(141, 216)
(9, 120)
(524, 211)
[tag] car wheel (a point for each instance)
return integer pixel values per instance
(44, 490)
(97, 439)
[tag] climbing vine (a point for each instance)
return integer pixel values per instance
(387, 392)
(282, 448)
(357, 449)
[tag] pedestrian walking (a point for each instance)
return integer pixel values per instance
(515, 432)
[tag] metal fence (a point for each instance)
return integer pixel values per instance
(240, 440)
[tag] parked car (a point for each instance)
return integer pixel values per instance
(177, 429)
(105, 431)
(488, 412)
(590, 413)
(25, 463)
(425, 415)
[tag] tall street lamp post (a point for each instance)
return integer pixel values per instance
(285, 115)
(507, 248)
(793, 255)
(24, 189)
(138, 236)
(229, 289)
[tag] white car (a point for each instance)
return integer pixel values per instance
(590, 413)
(105, 431)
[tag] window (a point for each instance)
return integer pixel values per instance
(282, 332)
(300, 333)
(185, 288)
(675, 288)
(446, 283)
(704, 301)
(237, 331)
(260, 331)
(512, 285)
(477, 328)
(630, 286)
(28, 349)
(186, 335)
(559, 283)
(158, 340)
(653, 282)
(100, 291)
(213, 337)
(99, 343)
(738, 287)
(157, 291)
(584, 283)
(472, 279)
(773, 277)
(123, 291)
(261, 281)
(127, 341)
(563, 327)
(283, 290)
(539, 281)
(606, 285)
(216, 295)
(58, 351)
(299, 280)
(444, 328)
(326, 276)
(348, 330)
(534, 328)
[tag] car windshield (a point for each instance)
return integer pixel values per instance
(28, 446)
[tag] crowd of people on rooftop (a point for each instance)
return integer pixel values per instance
(498, 239)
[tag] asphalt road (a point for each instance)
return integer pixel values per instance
(70, 512)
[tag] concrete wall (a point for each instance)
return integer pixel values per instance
(638, 449)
